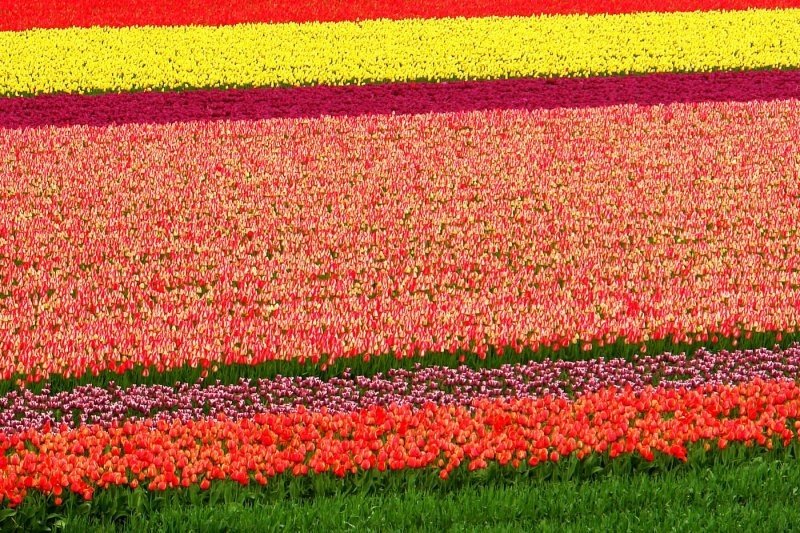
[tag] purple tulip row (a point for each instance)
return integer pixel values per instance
(409, 98)
(439, 385)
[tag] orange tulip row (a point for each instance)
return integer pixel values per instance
(239, 242)
(161, 455)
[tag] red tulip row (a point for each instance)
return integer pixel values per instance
(161, 455)
(228, 242)
(25, 14)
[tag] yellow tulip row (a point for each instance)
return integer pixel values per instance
(100, 59)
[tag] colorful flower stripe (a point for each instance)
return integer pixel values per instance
(403, 98)
(161, 455)
(22, 410)
(26, 14)
(240, 242)
(134, 59)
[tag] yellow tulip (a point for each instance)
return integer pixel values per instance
(87, 60)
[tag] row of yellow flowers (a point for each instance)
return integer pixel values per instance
(264, 55)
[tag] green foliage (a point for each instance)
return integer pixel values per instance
(496, 357)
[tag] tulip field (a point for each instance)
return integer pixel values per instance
(399, 265)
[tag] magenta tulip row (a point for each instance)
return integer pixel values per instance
(408, 98)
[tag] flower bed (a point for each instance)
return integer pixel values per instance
(365, 236)
(101, 59)
(391, 248)
(437, 385)
(27, 14)
(162, 454)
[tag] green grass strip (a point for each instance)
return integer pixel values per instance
(736, 489)
(496, 357)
